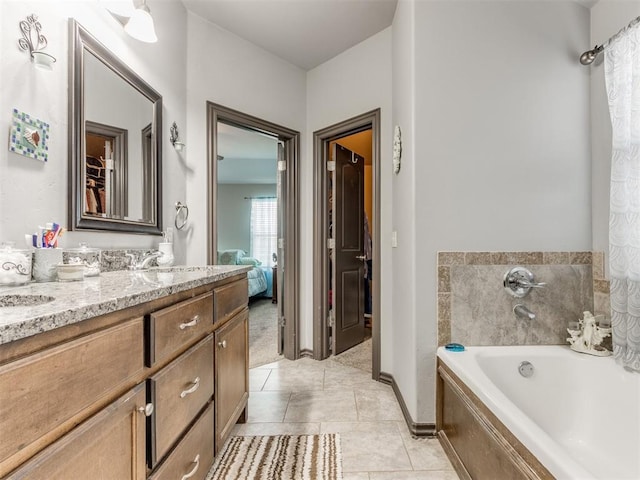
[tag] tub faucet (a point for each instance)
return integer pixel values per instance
(522, 311)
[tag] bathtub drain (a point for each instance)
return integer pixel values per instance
(526, 369)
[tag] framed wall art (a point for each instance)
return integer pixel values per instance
(29, 136)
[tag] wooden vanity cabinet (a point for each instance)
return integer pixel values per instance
(45, 394)
(75, 401)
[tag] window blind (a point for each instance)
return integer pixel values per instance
(264, 229)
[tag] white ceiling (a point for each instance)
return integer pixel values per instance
(305, 33)
(249, 157)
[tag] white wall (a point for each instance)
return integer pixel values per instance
(607, 18)
(224, 69)
(404, 316)
(502, 154)
(32, 192)
(352, 83)
(234, 213)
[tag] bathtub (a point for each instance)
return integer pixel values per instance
(578, 415)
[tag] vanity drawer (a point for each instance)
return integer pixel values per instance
(229, 299)
(175, 327)
(178, 393)
(43, 391)
(193, 456)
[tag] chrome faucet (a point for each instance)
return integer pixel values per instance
(522, 311)
(144, 261)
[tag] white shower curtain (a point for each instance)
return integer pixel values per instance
(622, 74)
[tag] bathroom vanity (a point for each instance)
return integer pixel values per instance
(130, 375)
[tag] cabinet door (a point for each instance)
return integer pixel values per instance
(109, 446)
(231, 374)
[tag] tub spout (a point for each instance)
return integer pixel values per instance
(522, 311)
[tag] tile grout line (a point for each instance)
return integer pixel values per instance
(284, 416)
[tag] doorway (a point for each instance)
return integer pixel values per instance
(253, 217)
(334, 245)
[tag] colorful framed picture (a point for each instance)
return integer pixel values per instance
(29, 136)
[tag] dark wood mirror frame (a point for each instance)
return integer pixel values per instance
(80, 41)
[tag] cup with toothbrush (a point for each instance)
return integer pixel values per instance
(46, 255)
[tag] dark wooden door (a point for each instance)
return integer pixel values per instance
(348, 231)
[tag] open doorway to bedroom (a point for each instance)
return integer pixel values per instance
(253, 222)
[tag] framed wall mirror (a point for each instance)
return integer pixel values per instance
(115, 142)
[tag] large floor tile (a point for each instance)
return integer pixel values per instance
(426, 454)
(294, 379)
(415, 475)
(267, 406)
(257, 378)
(355, 476)
(359, 427)
(322, 406)
(341, 377)
(371, 452)
(377, 405)
(286, 428)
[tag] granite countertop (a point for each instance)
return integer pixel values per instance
(111, 291)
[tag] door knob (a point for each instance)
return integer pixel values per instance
(361, 257)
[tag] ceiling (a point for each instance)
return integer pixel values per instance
(305, 33)
(248, 156)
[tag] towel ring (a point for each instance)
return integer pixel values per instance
(180, 207)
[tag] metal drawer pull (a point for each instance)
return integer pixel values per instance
(147, 410)
(193, 388)
(192, 323)
(194, 469)
(222, 344)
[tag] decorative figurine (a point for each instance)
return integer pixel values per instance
(587, 336)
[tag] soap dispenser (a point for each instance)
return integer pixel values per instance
(166, 249)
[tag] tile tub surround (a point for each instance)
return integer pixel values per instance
(474, 308)
(111, 291)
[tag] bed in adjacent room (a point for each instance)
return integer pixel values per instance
(259, 281)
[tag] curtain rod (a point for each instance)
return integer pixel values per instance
(259, 198)
(589, 56)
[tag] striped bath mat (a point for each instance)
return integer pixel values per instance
(280, 457)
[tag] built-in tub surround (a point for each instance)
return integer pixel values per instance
(94, 296)
(475, 309)
(577, 414)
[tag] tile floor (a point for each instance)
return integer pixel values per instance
(311, 397)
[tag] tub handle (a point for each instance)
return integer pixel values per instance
(519, 281)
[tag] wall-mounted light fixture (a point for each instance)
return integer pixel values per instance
(174, 138)
(140, 25)
(34, 42)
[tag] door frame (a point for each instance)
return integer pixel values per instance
(291, 138)
(321, 140)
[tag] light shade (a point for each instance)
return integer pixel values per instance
(140, 25)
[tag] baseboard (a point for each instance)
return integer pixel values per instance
(306, 353)
(417, 429)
